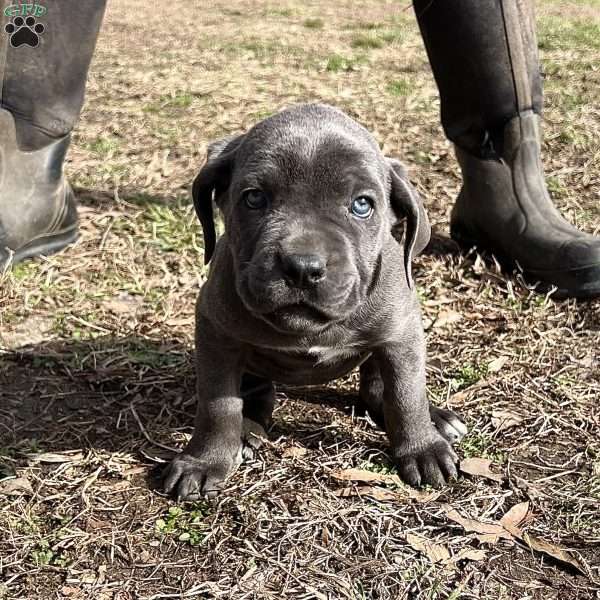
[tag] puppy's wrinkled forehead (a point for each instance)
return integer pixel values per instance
(315, 144)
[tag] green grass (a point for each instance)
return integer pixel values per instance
(555, 186)
(337, 63)
(399, 87)
(174, 101)
(314, 23)
(377, 467)
(477, 444)
(367, 42)
(24, 270)
(279, 12)
(559, 34)
(467, 376)
(368, 25)
(104, 145)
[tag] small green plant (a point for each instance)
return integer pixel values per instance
(24, 271)
(314, 23)
(279, 12)
(43, 555)
(555, 33)
(399, 87)
(380, 468)
(176, 100)
(369, 25)
(186, 526)
(337, 62)
(481, 446)
(367, 42)
(555, 187)
(467, 376)
(103, 145)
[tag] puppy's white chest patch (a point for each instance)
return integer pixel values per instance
(331, 354)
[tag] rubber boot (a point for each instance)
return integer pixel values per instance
(486, 67)
(45, 53)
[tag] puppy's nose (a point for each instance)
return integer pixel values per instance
(303, 270)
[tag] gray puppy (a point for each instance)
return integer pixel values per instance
(308, 282)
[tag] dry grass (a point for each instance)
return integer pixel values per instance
(96, 374)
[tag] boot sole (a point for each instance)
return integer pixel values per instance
(541, 279)
(47, 244)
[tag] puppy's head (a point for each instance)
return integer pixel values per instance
(309, 202)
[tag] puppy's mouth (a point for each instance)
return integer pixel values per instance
(299, 316)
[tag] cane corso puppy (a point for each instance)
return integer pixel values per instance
(310, 279)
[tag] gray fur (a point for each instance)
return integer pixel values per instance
(254, 327)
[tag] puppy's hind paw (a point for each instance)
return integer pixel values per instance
(253, 437)
(189, 478)
(452, 429)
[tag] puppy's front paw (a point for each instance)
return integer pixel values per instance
(191, 478)
(429, 461)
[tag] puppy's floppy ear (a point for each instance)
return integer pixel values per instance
(212, 180)
(406, 203)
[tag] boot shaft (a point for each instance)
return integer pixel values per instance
(45, 53)
(483, 54)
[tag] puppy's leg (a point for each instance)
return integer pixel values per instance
(258, 395)
(371, 395)
(370, 391)
(215, 449)
(421, 453)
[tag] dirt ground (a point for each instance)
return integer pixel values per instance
(96, 373)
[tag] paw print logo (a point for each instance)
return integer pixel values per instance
(24, 31)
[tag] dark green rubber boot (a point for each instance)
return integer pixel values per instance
(37, 207)
(487, 71)
(45, 53)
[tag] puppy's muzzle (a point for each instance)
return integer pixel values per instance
(305, 271)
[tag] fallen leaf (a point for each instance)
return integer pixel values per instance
(508, 528)
(422, 496)
(458, 397)
(123, 304)
(434, 552)
(366, 490)
(133, 471)
(445, 318)
(557, 553)
(505, 419)
(383, 494)
(515, 516)
(479, 467)
(491, 532)
(497, 364)
(469, 554)
(29, 332)
(183, 322)
(53, 457)
(364, 476)
(529, 488)
(17, 486)
(93, 523)
(115, 486)
(294, 452)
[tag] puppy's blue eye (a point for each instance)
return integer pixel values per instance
(362, 207)
(254, 199)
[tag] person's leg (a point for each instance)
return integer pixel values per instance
(484, 58)
(45, 53)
